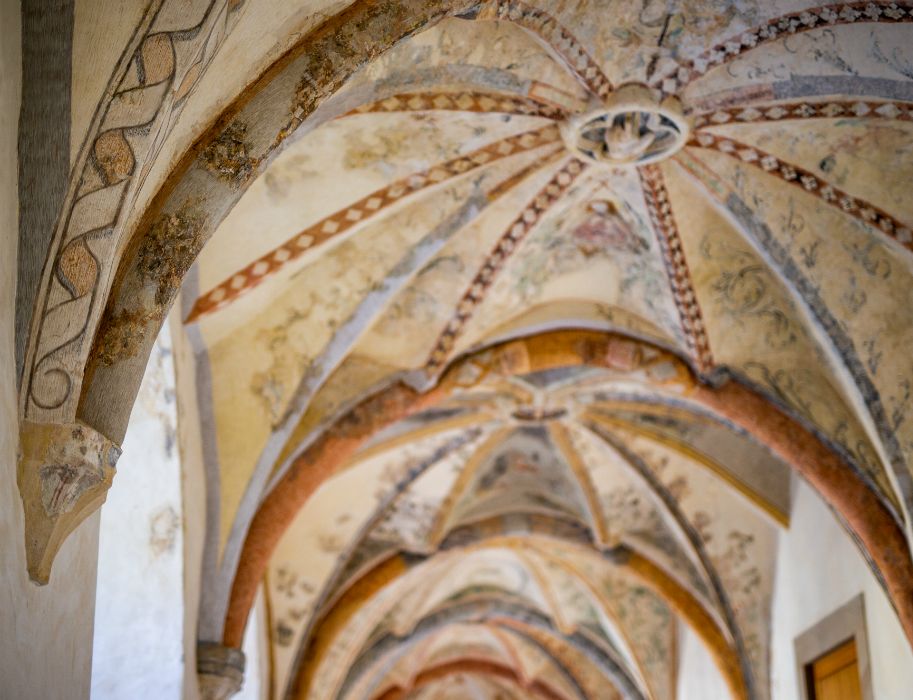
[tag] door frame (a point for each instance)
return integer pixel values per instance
(845, 623)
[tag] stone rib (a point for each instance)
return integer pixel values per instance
(463, 101)
(509, 241)
(805, 109)
(363, 210)
(856, 207)
(689, 310)
(684, 73)
(560, 40)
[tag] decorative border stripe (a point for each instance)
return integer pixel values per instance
(831, 109)
(509, 241)
(779, 27)
(484, 102)
(859, 209)
(689, 310)
(162, 64)
(560, 40)
(361, 211)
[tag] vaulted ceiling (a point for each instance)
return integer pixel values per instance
(724, 184)
(506, 357)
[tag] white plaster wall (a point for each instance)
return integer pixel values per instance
(144, 625)
(45, 633)
(820, 570)
(256, 653)
(698, 676)
(139, 618)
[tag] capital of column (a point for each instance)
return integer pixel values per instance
(64, 473)
(220, 670)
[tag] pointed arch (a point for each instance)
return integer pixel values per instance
(877, 533)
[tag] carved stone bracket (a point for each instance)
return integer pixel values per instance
(65, 471)
(220, 670)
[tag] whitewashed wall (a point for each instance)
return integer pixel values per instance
(698, 676)
(256, 652)
(139, 616)
(141, 620)
(820, 570)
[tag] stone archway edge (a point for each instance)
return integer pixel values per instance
(85, 361)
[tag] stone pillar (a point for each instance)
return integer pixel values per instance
(220, 670)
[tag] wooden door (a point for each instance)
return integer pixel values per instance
(835, 676)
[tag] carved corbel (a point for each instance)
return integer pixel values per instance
(220, 670)
(65, 471)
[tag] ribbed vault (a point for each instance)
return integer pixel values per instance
(517, 322)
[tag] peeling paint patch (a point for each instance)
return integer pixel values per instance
(228, 156)
(123, 336)
(168, 251)
(163, 528)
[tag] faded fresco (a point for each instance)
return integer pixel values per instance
(510, 324)
(727, 252)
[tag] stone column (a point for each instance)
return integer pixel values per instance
(220, 670)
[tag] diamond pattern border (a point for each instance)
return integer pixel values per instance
(483, 102)
(858, 208)
(364, 209)
(560, 40)
(783, 111)
(510, 240)
(689, 310)
(778, 28)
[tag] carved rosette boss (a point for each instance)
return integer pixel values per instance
(630, 127)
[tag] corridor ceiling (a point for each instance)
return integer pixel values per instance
(726, 183)
(516, 321)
